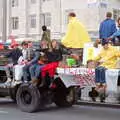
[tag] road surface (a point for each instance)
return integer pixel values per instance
(9, 111)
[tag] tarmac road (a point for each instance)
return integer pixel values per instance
(10, 111)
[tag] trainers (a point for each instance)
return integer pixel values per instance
(16, 82)
(34, 82)
(8, 83)
(8, 80)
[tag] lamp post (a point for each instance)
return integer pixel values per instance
(4, 20)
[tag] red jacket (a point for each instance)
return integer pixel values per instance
(50, 68)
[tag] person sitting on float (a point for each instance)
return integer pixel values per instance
(108, 60)
(49, 56)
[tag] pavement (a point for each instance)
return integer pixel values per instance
(98, 104)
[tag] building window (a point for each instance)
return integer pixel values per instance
(46, 19)
(15, 23)
(33, 1)
(116, 14)
(14, 3)
(33, 21)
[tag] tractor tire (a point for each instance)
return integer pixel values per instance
(28, 98)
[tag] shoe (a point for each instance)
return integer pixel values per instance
(15, 82)
(2, 85)
(34, 82)
(8, 83)
(42, 83)
(8, 80)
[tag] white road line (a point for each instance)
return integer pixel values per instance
(3, 112)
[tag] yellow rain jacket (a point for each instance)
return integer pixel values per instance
(76, 35)
(109, 57)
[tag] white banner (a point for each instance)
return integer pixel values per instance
(77, 76)
(86, 77)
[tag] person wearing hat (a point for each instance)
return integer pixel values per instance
(107, 59)
(14, 55)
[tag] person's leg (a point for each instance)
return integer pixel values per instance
(37, 75)
(79, 93)
(93, 94)
(102, 72)
(97, 75)
(102, 91)
(38, 70)
(7, 69)
(26, 72)
(32, 71)
(18, 72)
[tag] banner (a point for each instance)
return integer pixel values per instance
(84, 77)
(77, 76)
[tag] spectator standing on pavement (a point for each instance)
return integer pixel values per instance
(108, 60)
(107, 27)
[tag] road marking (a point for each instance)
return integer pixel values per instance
(3, 112)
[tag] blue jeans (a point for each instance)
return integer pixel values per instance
(26, 74)
(35, 71)
(100, 74)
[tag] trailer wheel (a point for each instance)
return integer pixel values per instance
(28, 98)
(65, 97)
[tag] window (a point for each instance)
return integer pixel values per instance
(15, 23)
(116, 13)
(46, 19)
(33, 21)
(33, 1)
(14, 3)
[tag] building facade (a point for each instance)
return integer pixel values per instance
(26, 17)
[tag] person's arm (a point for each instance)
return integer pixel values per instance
(64, 50)
(114, 29)
(36, 58)
(9, 54)
(98, 57)
(116, 34)
(117, 53)
(100, 31)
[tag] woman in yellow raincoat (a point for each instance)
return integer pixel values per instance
(76, 35)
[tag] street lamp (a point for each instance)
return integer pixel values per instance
(4, 20)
